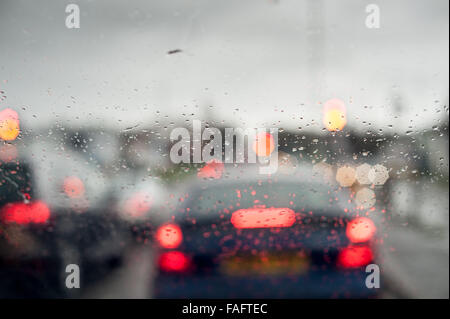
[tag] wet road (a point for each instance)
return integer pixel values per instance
(414, 264)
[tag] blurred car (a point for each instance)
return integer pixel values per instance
(27, 250)
(257, 236)
(55, 211)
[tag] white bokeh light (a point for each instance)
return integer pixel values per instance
(378, 174)
(346, 176)
(365, 198)
(362, 174)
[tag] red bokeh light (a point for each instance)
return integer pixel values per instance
(360, 229)
(169, 236)
(263, 218)
(173, 261)
(138, 204)
(22, 213)
(213, 169)
(73, 187)
(8, 153)
(355, 256)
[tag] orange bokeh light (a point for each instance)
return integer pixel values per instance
(9, 125)
(334, 115)
(264, 144)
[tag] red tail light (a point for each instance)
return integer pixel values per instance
(169, 236)
(21, 213)
(360, 230)
(174, 261)
(263, 218)
(355, 256)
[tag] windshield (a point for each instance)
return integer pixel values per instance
(224, 149)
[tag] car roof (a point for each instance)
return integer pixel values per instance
(240, 174)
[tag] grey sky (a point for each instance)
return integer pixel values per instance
(258, 63)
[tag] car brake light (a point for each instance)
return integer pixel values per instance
(25, 213)
(355, 256)
(263, 217)
(169, 236)
(174, 261)
(360, 230)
